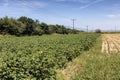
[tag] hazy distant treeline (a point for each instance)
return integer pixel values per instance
(27, 26)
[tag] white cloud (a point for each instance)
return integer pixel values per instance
(20, 7)
(84, 1)
(23, 3)
(113, 15)
(36, 4)
(80, 1)
(90, 4)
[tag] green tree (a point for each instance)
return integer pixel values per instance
(38, 30)
(45, 28)
(98, 31)
(61, 29)
(52, 29)
(30, 25)
(11, 26)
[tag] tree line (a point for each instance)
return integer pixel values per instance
(27, 26)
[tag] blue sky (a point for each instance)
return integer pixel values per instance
(102, 14)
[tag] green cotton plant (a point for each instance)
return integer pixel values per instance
(38, 57)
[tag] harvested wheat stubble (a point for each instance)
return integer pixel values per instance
(111, 43)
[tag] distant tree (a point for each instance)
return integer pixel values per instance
(45, 28)
(18, 27)
(27, 26)
(30, 25)
(60, 29)
(71, 31)
(98, 31)
(38, 30)
(37, 22)
(11, 26)
(52, 29)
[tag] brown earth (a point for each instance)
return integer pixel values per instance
(111, 43)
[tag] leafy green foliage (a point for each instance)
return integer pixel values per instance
(27, 26)
(39, 57)
(30, 25)
(11, 26)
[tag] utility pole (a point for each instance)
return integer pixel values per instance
(92, 29)
(87, 28)
(115, 28)
(73, 20)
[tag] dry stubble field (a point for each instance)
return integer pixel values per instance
(111, 43)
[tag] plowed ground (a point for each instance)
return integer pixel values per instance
(111, 43)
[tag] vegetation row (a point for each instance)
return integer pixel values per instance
(27, 26)
(38, 58)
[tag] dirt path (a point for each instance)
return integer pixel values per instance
(111, 43)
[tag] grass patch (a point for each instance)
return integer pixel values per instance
(98, 66)
(92, 65)
(76, 67)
